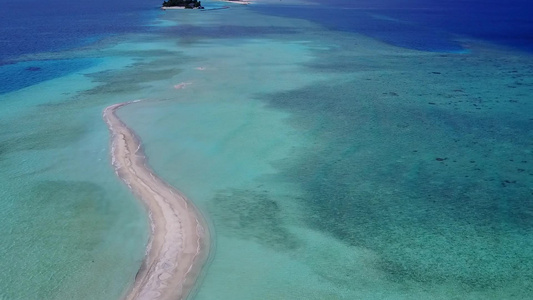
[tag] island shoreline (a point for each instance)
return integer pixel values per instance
(179, 242)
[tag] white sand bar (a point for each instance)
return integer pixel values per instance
(179, 240)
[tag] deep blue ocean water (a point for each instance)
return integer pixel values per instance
(424, 24)
(31, 26)
(27, 73)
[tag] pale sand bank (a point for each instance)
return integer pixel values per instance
(179, 240)
(244, 2)
(172, 7)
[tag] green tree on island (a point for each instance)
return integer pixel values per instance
(183, 3)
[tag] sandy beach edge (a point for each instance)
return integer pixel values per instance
(179, 242)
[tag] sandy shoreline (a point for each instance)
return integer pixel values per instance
(179, 240)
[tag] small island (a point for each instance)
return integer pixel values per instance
(190, 4)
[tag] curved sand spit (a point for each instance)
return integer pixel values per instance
(179, 241)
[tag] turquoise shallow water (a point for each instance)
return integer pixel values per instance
(396, 174)
(69, 228)
(330, 165)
